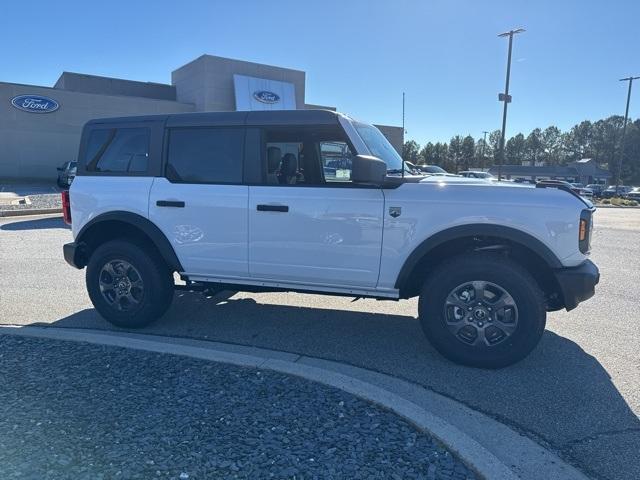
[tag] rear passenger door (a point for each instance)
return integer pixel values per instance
(200, 203)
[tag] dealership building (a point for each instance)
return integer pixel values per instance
(40, 126)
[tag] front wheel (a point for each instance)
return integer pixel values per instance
(482, 310)
(128, 285)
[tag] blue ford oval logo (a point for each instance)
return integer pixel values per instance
(35, 103)
(266, 97)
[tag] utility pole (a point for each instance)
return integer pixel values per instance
(484, 144)
(505, 97)
(624, 129)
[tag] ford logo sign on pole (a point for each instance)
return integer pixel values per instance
(35, 104)
(266, 97)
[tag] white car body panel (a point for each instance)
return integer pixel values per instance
(330, 236)
(93, 196)
(209, 235)
(331, 239)
(548, 215)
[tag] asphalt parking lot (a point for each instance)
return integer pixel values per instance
(578, 393)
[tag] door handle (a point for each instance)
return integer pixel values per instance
(273, 208)
(170, 203)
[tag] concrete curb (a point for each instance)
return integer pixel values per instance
(31, 211)
(490, 448)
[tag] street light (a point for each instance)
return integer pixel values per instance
(624, 128)
(505, 97)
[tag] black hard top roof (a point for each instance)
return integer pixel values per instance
(257, 118)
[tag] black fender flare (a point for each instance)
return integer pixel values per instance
(141, 223)
(473, 230)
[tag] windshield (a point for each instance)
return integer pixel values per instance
(380, 147)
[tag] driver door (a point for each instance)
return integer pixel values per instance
(308, 223)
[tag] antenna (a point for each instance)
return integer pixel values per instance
(403, 132)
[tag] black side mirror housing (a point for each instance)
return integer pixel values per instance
(368, 169)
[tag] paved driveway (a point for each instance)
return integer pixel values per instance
(578, 392)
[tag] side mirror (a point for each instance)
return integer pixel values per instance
(367, 169)
(59, 169)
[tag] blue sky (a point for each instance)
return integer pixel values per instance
(359, 55)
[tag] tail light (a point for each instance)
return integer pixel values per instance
(584, 231)
(66, 207)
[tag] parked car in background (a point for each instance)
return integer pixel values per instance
(582, 190)
(475, 174)
(66, 174)
(524, 180)
(435, 170)
(633, 194)
(432, 169)
(415, 170)
(596, 188)
(613, 191)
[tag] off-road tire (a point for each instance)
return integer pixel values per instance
(157, 279)
(499, 270)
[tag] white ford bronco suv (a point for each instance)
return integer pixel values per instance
(314, 201)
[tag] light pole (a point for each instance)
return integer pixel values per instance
(624, 128)
(505, 97)
(484, 144)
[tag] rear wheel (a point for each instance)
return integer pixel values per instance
(482, 310)
(128, 285)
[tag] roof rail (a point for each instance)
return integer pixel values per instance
(560, 186)
(554, 184)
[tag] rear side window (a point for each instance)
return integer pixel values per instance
(205, 155)
(118, 150)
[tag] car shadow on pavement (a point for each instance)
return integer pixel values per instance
(37, 224)
(560, 395)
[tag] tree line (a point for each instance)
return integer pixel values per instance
(599, 140)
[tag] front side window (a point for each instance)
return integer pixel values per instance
(205, 155)
(118, 150)
(306, 156)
